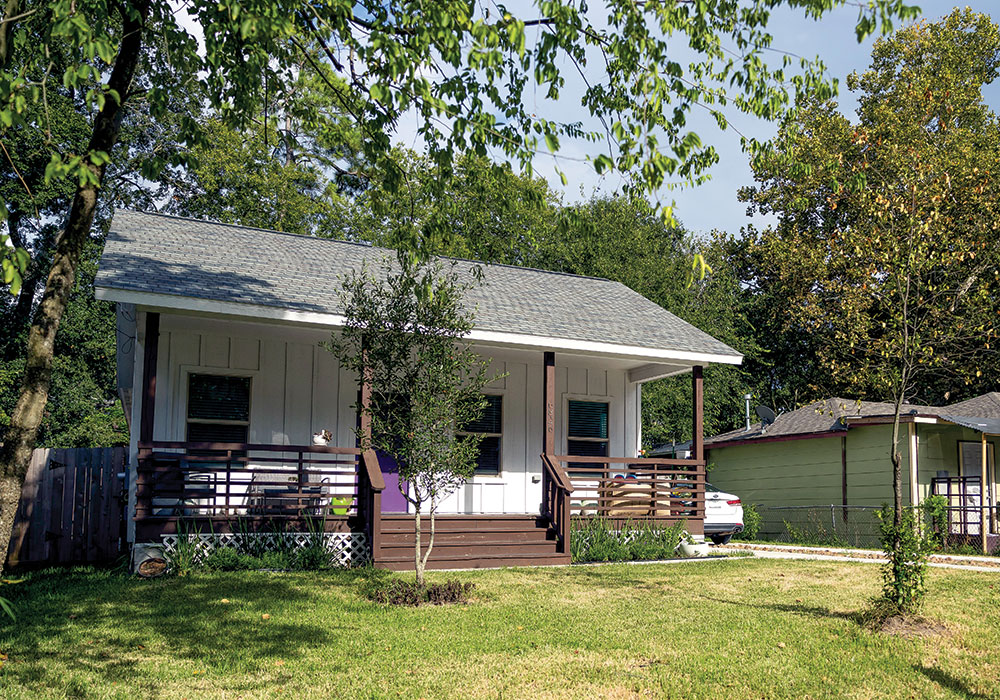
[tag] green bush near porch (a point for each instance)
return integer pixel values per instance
(599, 539)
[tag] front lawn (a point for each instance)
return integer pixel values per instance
(724, 629)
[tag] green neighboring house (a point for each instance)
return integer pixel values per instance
(836, 452)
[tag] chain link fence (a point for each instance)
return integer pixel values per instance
(858, 527)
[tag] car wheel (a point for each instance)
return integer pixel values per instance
(722, 539)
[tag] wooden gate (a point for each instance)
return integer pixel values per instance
(72, 508)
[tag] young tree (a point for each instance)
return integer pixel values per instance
(404, 336)
(894, 220)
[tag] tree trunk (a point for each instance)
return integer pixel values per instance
(897, 472)
(418, 561)
(11, 8)
(20, 315)
(430, 540)
(26, 419)
(10, 497)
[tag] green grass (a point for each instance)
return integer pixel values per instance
(727, 629)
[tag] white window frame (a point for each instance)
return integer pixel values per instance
(487, 478)
(609, 400)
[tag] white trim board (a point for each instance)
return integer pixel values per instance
(155, 301)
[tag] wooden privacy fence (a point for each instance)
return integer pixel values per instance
(72, 508)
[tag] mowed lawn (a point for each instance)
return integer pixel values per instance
(725, 629)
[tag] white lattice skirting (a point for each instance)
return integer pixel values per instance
(345, 548)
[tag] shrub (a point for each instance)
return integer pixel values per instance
(595, 539)
(279, 560)
(312, 557)
(751, 522)
(906, 551)
(225, 559)
(184, 558)
(936, 510)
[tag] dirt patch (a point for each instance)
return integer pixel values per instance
(913, 627)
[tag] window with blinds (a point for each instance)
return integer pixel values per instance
(588, 429)
(218, 408)
(490, 427)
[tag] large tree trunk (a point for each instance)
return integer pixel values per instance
(22, 432)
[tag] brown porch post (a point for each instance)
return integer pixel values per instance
(147, 406)
(151, 348)
(698, 439)
(549, 438)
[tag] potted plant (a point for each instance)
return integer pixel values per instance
(690, 547)
(341, 504)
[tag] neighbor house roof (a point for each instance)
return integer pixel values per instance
(833, 415)
(176, 263)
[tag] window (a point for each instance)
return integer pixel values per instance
(971, 454)
(588, 429)
(218, 408)
(490, 427)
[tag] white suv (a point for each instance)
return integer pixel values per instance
(723, 515)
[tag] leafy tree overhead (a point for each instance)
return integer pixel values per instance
(236, 179)
(485, 211)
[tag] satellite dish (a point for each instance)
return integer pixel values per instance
(766, 416)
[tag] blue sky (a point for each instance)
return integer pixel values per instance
(714, 205)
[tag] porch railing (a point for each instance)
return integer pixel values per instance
(556, 492)
(965, 504)
(227, 482)
(620, 489)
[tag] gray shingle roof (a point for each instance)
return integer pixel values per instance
(827, 416)
(985, 406)
(205, 260)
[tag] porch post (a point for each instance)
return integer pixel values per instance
(151, 347)
(549, 439)
(147, 406)
(698, 434)
(984, 514)
(698, 446)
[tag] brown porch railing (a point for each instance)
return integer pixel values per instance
(218, 484)
(621, 489)
(618, 487)
(556, 491)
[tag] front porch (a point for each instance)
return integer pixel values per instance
(221, 493)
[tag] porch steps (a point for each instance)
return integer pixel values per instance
(471, 542)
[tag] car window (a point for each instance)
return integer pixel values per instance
(711, 489)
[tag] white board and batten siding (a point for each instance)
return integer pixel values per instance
(297, 389)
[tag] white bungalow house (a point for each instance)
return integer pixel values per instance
(225, 381)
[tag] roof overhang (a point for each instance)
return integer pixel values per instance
(774, 438)
(661, 362)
